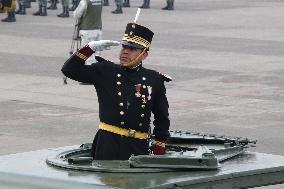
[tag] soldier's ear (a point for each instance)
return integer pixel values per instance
(145, 55)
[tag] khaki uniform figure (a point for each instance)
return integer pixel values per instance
(89, 16)
(8, 6)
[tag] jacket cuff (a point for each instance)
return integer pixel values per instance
(84, 53)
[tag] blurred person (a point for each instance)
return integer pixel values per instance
(65, 9)
(89, 16)
(22, 7)
(9, 6)
(42, 6)
(106, 3)
(53, 5)
(75, 4)
(146, 4)
(126, 3)
(170, 5)
(118, 9)
(28, 4)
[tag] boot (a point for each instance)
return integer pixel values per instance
(53, 5)
(146, 4)
(126, 3)
(22, 9)
(19, 10)
(106, 3)
(73, 6)
(171, 5)
(28, 4)
(43, 11)
(10, 17)
(65, 13)
(118, 10)
(166, 7)
(39, 12)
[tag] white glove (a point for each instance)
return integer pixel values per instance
(102, 45)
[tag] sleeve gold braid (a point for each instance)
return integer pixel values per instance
(80, 55)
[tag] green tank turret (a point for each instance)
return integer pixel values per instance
(184, 151)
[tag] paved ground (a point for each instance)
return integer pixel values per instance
(225, 56)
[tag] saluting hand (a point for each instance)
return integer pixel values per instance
(102, 44)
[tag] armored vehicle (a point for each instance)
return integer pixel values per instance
(184, 151)
(192, 160)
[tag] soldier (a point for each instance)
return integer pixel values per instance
(28, 4)
(127, 94)
(106, 3)
(170, 5)
(9, 7)
(22, 7)
(126, 3)
(41, 8)
(146, 4)
(118, 9)
(75, 4)
(53, 5)
(65, 9)
(89, 16)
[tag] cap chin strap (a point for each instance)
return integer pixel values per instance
(133, 63)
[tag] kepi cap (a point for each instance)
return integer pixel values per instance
(137, 36)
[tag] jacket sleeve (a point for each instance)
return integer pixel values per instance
(161, 114)
(80, 10)
(75, 68)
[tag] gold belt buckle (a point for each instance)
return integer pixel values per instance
(131, 133)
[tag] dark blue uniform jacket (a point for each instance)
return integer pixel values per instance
(126, 99)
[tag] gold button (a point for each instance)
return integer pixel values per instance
(142, 115)
(118, 75)
(121, 104)
(144, 78)
(140, 124)
(143, 106)
(118, 83)
(122, 123)
(121, 112)
(119, 93)
(144, 86)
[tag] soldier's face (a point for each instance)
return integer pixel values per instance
(130, 57)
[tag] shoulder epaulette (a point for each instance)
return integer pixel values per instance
(166, 77)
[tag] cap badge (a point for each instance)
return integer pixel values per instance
(131, 34)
